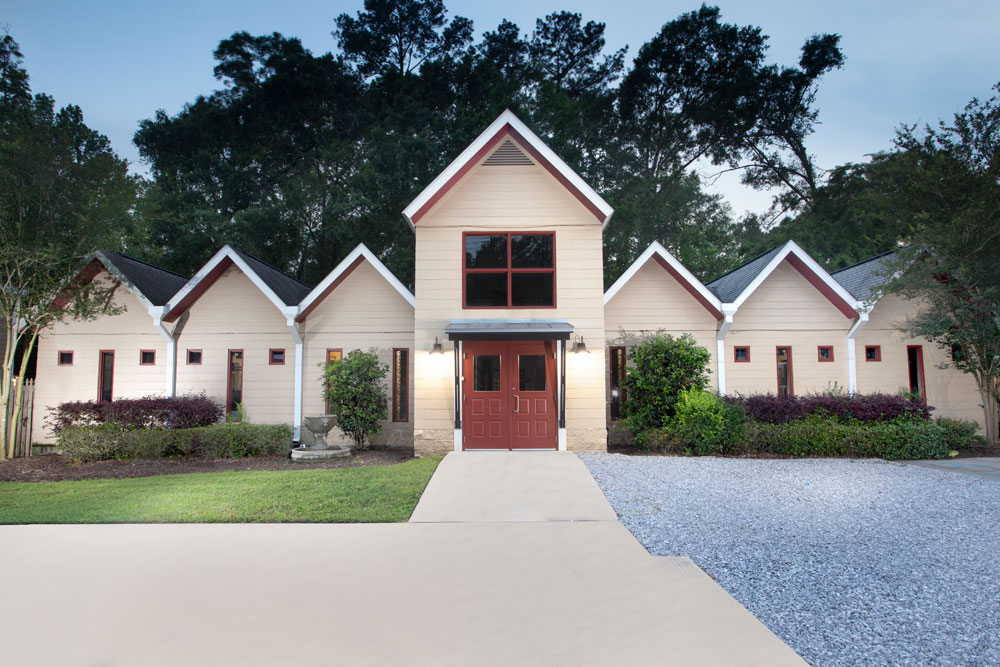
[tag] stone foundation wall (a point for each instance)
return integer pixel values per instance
(587, 439)
(436, 442)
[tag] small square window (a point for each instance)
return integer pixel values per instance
(194, 357)
(873, 353)
(147, 357)
(65, 358)
(741, 354)
(277, 357)
(825, 352)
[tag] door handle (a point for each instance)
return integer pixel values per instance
(517, 405)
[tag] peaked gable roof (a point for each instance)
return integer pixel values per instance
(507, 125)
(283, 291)
(156, 285)
(736, 286)
(340, 273)
(865, 277)
(672, 265)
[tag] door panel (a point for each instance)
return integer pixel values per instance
(508, 394)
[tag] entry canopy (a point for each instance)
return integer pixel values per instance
(508, 329)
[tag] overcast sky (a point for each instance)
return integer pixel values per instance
(907, 62)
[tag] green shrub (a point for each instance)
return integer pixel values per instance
(959, 433)
(816, 437)
(661, 367)
(706, 424)
(354, 389)
(108, 441)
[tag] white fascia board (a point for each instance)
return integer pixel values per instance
(655, 248)
(228, 252)
(360, 251)
(484, 138)
(791, 247)
(109, 265)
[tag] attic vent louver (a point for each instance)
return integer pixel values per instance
(507, 155)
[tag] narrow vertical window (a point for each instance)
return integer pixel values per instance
(784, 358)
(915, 366)
(400, 384)
(234, 385)
(332, 354)
(105, 375)
(617, 369)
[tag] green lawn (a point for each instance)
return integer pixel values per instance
(344, 495)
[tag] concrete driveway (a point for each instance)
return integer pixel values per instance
(459, 591)
(983, 467)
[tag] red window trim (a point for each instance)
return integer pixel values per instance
(509, 271)
(145, 363)
(194, 363)
(270, 356)
(100, 373)
(611, 379)
(920, 368)
(59, 361)
(394, 385)
(878, 353)
(819, 353)
(791, 375)
(741, 361)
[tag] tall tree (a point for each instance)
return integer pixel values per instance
(63, 194)
(948, 184)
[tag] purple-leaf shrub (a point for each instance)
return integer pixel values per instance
(771, 409)
(147, 412)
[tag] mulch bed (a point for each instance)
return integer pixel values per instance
(55, 467)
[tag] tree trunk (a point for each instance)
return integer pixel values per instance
(19, 397)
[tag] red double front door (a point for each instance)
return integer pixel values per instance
(509, 395)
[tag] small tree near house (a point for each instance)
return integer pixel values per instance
(355, 391)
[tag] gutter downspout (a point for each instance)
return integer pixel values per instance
(170, 386)
(852, 352)
(728, 310)
(297, 409)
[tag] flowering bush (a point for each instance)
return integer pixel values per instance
(771, 409)
(138, 413)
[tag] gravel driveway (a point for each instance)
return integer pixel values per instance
(850, 562)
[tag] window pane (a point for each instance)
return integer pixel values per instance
(148, 357)
(277, 356)
(617, 379)
(826, 353)
(872, 353)
(486, 252)
(531, 372)
(486, 372)
(486, 289)
(784, 364)
(400, 385)
(741, 353)
(107, 374)
(65, 358)
(531, 289)
(194, 356)
(531, 252)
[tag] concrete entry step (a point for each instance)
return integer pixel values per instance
(512, 486)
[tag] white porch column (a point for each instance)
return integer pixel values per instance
(852, 353)
(297, 388)
(720, 346)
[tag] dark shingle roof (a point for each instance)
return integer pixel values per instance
(156, 284)
(729, 286)
(288, 289)
(862, 278)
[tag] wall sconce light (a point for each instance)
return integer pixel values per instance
(437, 349)
(579, 346)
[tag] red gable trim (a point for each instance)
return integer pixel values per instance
(198, 290)
(690, 288)
(83, 278)
(488, 147)
(318, 300)
(817, 282)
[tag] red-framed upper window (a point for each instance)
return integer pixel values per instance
(509, 270)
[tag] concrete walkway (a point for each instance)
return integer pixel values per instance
(983, 467)
(576, 590)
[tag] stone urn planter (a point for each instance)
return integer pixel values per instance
(320, 450)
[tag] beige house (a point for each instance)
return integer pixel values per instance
(509, 340)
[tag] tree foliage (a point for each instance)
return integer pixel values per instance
(947, 181)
